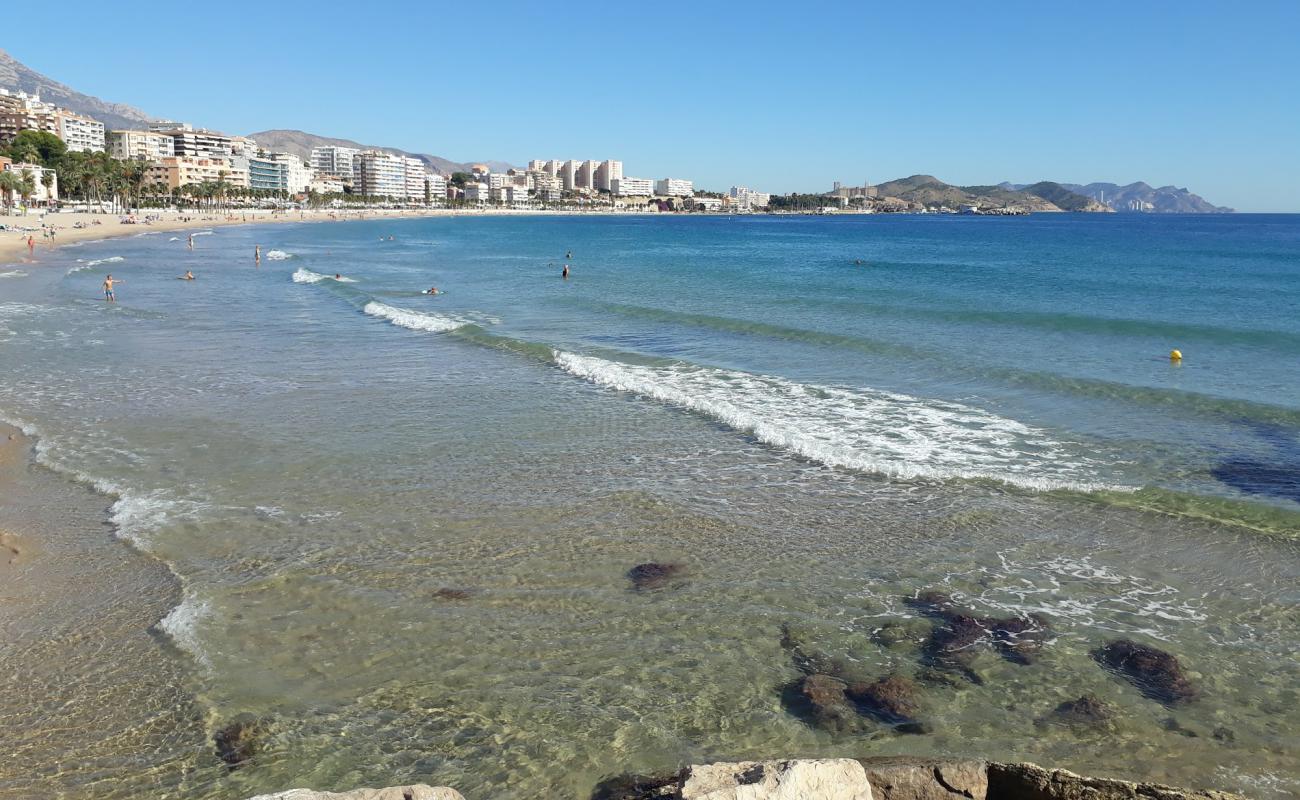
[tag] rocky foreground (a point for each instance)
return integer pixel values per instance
(889, 778)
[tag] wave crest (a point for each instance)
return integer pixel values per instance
(415, 320)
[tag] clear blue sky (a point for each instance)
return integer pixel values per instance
(779, 96)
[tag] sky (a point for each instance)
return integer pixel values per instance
(778, 96)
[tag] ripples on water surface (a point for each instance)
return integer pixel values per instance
(984, 408)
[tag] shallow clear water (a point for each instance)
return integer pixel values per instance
(983, 406)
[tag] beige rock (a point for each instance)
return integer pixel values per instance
(418, 791)
(905, 778)
(809, 779)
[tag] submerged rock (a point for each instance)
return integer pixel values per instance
(892, 699)
(954, 645)
(635, 787)
(447, 593)
(1155, 673)
(1086, 712)
(653, 575)
(1019, 639)
(933, 604)
(808, 660)
(822, 701)
(1032, 782)
(240, 740)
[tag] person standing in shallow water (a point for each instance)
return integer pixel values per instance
(109, 297)
(565, 272)
(257, 254)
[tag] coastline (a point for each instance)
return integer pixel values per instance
(14, 251)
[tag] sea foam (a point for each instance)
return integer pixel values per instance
(415, 320)
(304, 275)
(278, 255)
(13, 273)
(888, 434)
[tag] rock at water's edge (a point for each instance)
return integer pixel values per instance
(819, 779)
(901, 778)
(417, 791)
(1032, 782)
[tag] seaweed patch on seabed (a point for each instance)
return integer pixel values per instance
(1277, 477)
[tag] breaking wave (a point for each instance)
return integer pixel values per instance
(887, 434)
(415, 320)
(278, 255)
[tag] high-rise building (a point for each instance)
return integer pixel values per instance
(569, 174)
(379, 174)
(190, 143)
(267, 174)
(435, 188)
(80, 134)
(746, 199)
(607, 173)
(584, 178)
(335, 162)
(415, 171)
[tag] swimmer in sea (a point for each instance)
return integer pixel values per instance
(432, 290)
(338, 277)
(568, 254)
(188, 276)
(565, 273)
(108, 289)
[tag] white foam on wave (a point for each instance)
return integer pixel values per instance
(182, 626)
(135, 515)
(13, 273)
(109, 260)
(304, 275)
(278, 255)
(174, 239)
(888, 434)
(415, 320)
(202, 233)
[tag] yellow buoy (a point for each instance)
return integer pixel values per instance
(1175, 355)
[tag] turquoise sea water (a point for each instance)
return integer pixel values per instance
(982, 405)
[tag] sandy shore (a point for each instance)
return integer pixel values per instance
(14, 248)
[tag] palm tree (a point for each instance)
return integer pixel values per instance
(47, 180)
(27, 188)
(9, 183)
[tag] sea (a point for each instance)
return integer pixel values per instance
(398, 526)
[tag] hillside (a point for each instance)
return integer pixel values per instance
(1063, 197)
(300, 143)
(928, 190)
(15, 76)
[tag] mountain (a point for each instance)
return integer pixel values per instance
(300, 143)
(1138, 197)
(928, 190)
(1165, 200)
(15, 76)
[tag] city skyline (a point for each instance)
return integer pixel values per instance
(1196, 95)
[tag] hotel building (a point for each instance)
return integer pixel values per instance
(379, 174)
(632, 187)
(335, 162)
(140, 145)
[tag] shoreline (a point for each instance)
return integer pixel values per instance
(14, 250)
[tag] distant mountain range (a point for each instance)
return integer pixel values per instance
(1139, 197)
(16, 76)
(928, 190)
(300, 143)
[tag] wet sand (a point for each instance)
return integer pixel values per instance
(77, 609)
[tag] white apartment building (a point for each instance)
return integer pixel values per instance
(435, 187)
(584, 178)
(568, 173)
(81, 134)
(674, 187)
(323, 184)
(543, 182)
(477, 192)
(380, 174)
(517, 195)
(708, 203)
(334, 161)
(169, 125)
(297, 175)
(139, 145)
(632, 187)
(415, 172)
(607, 173)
